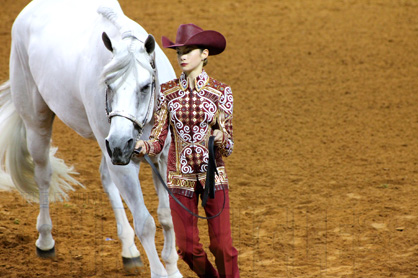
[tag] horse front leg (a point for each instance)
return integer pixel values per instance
(127, 182)
(169, 253)
(130, 255)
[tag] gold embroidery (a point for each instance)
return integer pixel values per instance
(188, 181)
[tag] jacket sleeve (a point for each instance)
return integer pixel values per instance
(225, 121)
(160, 129)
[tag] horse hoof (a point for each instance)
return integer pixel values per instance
(45, 254)
(132, 265)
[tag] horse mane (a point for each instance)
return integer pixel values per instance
(118, 68)
(125, 61)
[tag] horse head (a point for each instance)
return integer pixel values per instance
(130, 83)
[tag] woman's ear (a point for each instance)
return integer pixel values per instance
(205, 54)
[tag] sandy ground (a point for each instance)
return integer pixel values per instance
(325, 169)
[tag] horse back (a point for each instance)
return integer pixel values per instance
(57, 44)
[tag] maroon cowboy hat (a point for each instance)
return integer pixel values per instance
(190, 34)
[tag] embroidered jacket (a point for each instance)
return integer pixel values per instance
(191, 116)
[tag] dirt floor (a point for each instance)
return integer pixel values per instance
(324, 174)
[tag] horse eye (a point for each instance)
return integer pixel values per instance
(145, 88)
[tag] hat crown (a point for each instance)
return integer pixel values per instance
(190, 34)
(186, 31)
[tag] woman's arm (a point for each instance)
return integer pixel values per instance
(226, 143)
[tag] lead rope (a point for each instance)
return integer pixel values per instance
(208, 191)
(210, 174)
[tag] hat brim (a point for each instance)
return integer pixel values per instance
(214, 41)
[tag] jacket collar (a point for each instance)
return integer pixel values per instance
(200, 81)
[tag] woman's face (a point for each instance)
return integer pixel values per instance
(191, 58)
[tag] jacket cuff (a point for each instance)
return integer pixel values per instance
(147, 147)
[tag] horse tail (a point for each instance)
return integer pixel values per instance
(16, 164)
(7, 120)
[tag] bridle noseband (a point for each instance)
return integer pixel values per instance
(121, 113)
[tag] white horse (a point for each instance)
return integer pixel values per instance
(73, 58)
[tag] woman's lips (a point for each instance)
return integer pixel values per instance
(183, 64)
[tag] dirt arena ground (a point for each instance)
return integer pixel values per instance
(324, 174)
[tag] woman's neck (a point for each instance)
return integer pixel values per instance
(191, 76)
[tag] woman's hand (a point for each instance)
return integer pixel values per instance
(140, 149)
(219, 136)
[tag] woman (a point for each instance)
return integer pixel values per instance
(195, 107)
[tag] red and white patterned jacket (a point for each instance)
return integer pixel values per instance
(191, 116)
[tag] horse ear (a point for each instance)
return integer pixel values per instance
(149, 44)
(107, 42)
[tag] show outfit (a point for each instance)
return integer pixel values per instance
(191, 116)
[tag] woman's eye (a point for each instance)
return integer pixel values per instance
(184, 51)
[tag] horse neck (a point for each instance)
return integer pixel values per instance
(165, 71)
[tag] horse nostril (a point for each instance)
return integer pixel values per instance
(109, 151)
(130, 144)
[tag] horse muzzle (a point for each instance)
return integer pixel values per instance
(120, 155)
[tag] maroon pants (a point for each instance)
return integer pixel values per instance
(188, 242)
